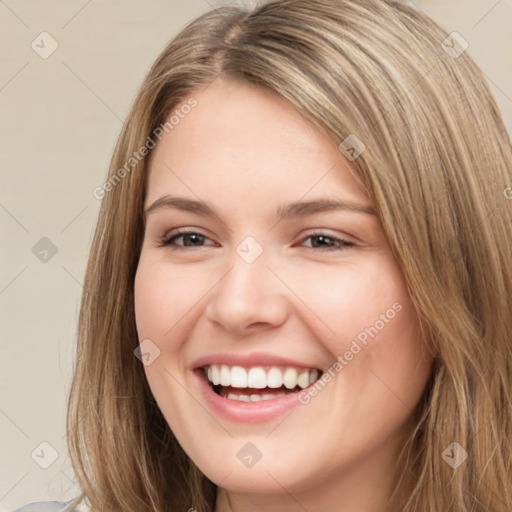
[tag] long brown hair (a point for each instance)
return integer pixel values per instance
(437, 166)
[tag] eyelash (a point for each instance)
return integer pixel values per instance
(168, 241)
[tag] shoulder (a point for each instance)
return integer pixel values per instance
(47, 506)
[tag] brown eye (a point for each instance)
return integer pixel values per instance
(186, 239)
(323, 241)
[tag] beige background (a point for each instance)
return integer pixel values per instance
(60, 118)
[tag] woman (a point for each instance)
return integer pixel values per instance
(298, 295)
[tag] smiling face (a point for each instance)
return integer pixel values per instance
(240, 285)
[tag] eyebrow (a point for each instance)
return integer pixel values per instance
(296, 209)
(302, 208)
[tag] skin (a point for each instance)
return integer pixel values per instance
(245, 152)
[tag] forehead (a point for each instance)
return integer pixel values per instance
(241, 139)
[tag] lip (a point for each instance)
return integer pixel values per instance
(248, 360)
(244, 412)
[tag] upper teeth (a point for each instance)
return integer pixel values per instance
(259, 377)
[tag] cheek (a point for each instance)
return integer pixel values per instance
(368, 323)
(164, 296)
(352, 301)
(163, 301)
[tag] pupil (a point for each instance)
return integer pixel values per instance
(194, 238)
(323, 240)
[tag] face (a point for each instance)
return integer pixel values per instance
(284, 348)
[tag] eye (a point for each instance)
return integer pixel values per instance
(184, 239)
(188, 239)
(327, 242)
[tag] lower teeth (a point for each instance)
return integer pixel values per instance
(231, 394)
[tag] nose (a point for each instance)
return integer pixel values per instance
(249, 297)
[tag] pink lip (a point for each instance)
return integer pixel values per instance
(245, 412)
(247, 360)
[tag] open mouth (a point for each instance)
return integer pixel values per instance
(258, 383)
